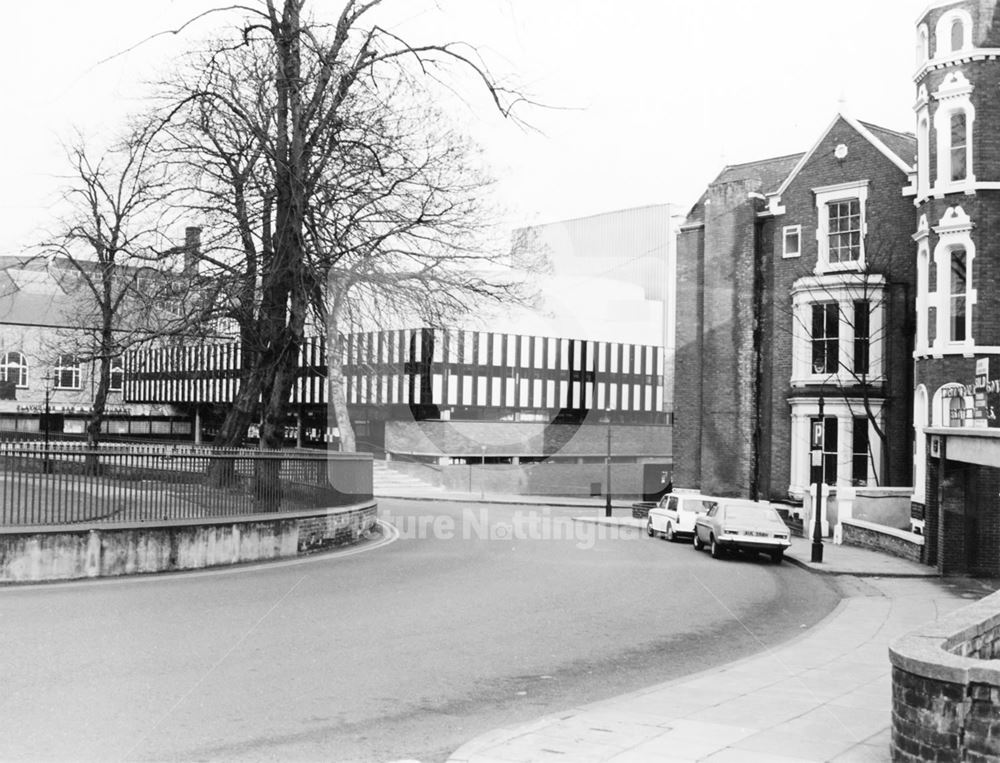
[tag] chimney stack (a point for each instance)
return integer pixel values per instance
(192, 249)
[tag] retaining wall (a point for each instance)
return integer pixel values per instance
(546, 478)
(37, 554)
(888, 506)
(889, 540)
(946, 688)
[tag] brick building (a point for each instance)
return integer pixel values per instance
(957, 352)
(795, 293)
(860, 277)
(48, 330)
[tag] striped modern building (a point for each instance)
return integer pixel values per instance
(453, 398)
(433, 373)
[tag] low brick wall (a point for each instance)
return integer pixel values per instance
(889, 540)
(889, 506)
(37, 554)
(946, 688)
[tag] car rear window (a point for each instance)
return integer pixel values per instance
(751, 513)
(698, 506)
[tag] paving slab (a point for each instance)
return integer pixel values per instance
(824, 696)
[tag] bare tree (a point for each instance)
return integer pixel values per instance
(113, 258)
(290, 128)
(393, 241)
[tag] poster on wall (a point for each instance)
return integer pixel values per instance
(980, 412)
(986, 396)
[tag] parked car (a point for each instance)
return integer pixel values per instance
(742, 525)
(673, 517)
(640, 509)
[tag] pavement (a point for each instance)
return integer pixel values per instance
(825, 695)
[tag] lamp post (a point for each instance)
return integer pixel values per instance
(49, 381)
(482, 469)
(607, 462)
(817, 443)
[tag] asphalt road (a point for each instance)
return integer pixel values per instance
(475, 617)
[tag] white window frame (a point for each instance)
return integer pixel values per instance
(920, 422)
(954, 232)
(924, 299)
(958, 297)
(117, 365)
(824, 197)
(953, 96)
(923, 45)
(6, 363)
(788, 230)
(63, 366)
(844, 289)
(942, 33)
(845, 410)
(923, 153)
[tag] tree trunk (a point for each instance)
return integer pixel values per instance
(337, 392)
(96, 419)
(233, 432)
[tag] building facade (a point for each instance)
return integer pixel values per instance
(957, 352)
(553, 406)
(48, 376)
(795, 287)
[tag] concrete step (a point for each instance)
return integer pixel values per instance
(386, 480)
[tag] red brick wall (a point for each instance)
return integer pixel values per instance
(688, 359)
(728, 379)
(945, 690)
(889, 249)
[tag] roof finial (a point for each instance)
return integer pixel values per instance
(842, 100)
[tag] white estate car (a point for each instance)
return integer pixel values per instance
(673, 517)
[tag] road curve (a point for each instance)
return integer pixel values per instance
(476, 617)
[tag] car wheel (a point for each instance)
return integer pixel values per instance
(777, 556)
(649, 528)
(715, 548)
(698, 545)
(669, 534)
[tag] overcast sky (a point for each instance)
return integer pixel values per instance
(656, 95)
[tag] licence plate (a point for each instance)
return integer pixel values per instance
(758, 533)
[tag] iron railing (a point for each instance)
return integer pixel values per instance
(64, 483)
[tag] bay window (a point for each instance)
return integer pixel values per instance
(862, 335)
(859, 448)
(851, 455)
(837, 324)
(825, 338)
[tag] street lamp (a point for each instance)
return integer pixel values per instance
(817, 445)
(49, 382)
(482, 469)
(606, 419)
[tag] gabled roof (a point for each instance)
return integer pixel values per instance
(878, 137)
(903, 144)
(769, 172)
(31, 297)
